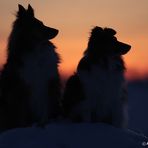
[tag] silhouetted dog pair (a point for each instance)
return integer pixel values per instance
(30, 90)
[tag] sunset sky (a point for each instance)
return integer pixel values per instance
(75, 19)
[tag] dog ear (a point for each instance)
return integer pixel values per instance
(97, 30)
(21, 12)
(110, 31)
(30, 11)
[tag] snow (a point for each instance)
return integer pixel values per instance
(138, 105)
(68, 135)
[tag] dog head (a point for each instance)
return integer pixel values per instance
(31, 27)
(102, 42)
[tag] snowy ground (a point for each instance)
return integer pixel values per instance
(138, 106)
(72, 136)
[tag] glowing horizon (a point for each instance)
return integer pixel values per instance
(75, 20)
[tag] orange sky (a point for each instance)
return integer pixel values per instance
(75, 18)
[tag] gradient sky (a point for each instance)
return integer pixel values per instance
(75, 18)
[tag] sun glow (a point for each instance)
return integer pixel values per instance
(75, 20)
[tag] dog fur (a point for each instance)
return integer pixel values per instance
(97, 90)
(30, 82)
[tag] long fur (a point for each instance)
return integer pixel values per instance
(29, 83)
(97, 91)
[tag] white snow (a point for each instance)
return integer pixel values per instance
(138, 105)
(68, 135)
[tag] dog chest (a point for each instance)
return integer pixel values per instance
(101, 84)
(40, 66)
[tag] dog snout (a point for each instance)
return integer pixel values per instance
(52, 32)
(124, 48)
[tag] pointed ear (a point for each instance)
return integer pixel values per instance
(21, 12)
(110, 31)
(97, 31)
(30, 10)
